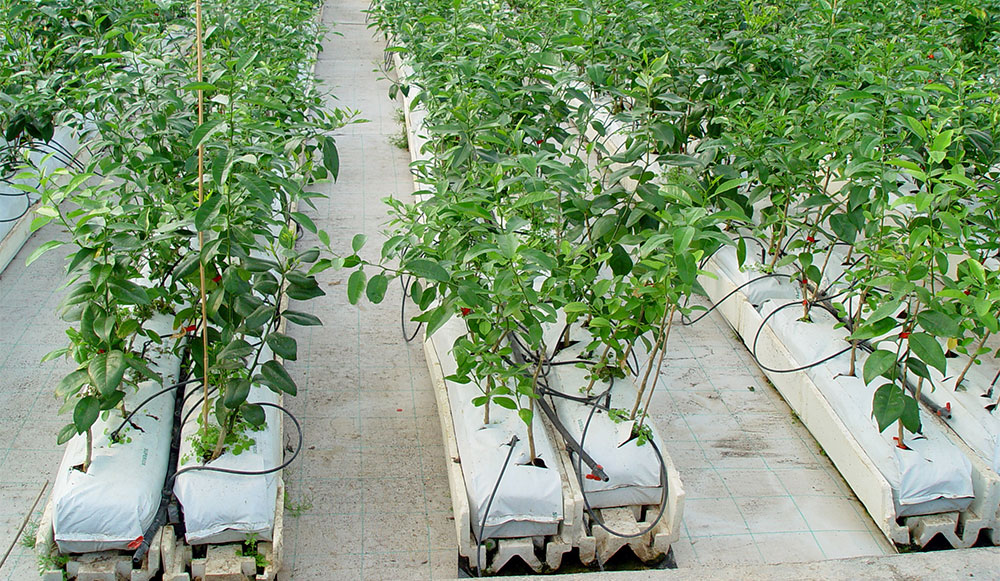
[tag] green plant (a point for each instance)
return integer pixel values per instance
(298, 508)
(249, 549)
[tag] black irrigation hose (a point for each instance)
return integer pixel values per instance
(590, 510)
(402, 310)
(114, 433)
(23, 212)
(753, 348)
(496, 487)
(714, 306)
(281, 466)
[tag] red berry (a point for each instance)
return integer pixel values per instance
(810, 239)
(190, 328)
(904, 334)
(805, 302)
(967, 292)
(100, 350)
(539, 141)
(466, 311)
(217, 278)
(931, 56)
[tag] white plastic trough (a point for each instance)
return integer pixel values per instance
(855, 463)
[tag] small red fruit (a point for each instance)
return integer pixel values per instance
(904, 335)
(217, 278)
(466, 311)
(805, 302)
(100, 351)
(931, 56)
(810, 239)
(539, 141)
(967, 292)
(190, 328)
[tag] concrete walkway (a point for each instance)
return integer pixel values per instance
(371, 489)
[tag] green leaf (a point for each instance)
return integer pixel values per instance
(929, 351)
(143, 369)
(438, 317)
(282, 345)
(257, 187)
(888, 405)
(237, 391)
(300, 318)
(273, 375)
(428, 270)
(114, 399)
(254, 414)
(206, 130)
(65, 434)
(42, 250)
(911, 415)
(376, 288)
(620, 262)
(356, 284)
(85, 413)
(199, 86)
(525, 415)
(878, 364)
(106, 371)
(687, 268)
(71, 383)
(331, 159)
(206, 214)
(938, 324)
(505, 402)
(236, 349)
(129, 293)
(741, 251)
(305, 221)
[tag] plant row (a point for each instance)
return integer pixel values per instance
(585, 158)
(175, 211)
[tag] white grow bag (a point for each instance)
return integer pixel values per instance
(633, 471)
(529, 501)
(226, 508)
(110, 506)
(934, 476)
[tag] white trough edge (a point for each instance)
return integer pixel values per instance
(851, 460)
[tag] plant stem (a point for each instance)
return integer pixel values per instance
(659, 365)
(531, 407)
(972, 359)
(90, 450)
(668, 316)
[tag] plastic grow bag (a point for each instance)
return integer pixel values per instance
(110, 506)
(933, 476)
(226, 508)
(633, 471)
(529, 499)
(771, 287)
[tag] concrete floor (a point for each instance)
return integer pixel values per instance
(369, 499)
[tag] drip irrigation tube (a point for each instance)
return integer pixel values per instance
(402, 310)
(496, 487)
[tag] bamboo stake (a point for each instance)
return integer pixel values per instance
(201, 235)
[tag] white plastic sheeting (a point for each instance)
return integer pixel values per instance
(933, 476)
(970, 419)
(110, 506)
(773, 287)
(225, 508)
(529, 499)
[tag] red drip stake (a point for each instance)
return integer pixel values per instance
(593, 477)
(135, 544)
